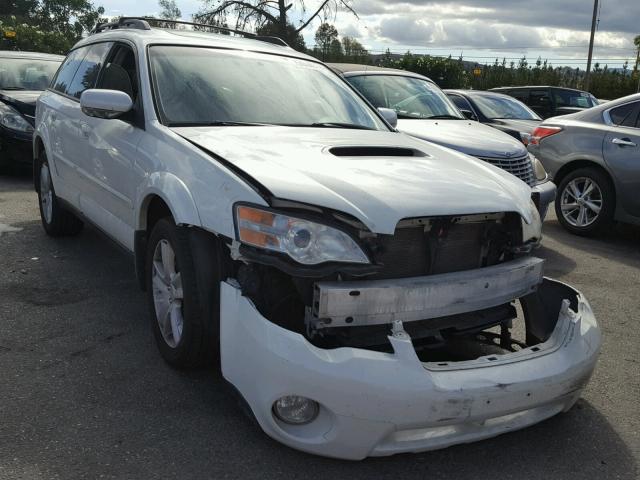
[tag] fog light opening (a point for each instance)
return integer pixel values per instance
(295, 410)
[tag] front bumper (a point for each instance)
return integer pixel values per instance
(15, 148)
(543, 194)
(375, 404)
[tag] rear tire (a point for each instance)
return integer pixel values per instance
(56, 220)
(183, 278)
(585, 203)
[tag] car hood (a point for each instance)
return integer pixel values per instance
(22, 100)
(466, 136)
(380, 190)
(519, 125)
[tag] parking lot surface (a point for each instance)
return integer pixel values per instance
(85, 394)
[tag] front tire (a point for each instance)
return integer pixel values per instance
(183, 288)
(56, 220)
(585, 203)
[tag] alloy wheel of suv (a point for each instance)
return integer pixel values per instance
(183, 282)
(56, 220)
(585, 203)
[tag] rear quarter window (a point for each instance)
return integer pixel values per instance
(626, 115)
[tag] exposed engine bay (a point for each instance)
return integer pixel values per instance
(460, 285)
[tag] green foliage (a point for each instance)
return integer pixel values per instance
(170, 10)
(50, 26)
(292, 36)
(325, 36)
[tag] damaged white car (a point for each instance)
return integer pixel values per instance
(367, 293)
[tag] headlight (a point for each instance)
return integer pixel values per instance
(13, 120)
(538, 170)
(304, 241)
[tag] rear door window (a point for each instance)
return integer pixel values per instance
(539, 98)
(522, 95)
(68, 69)
(87, 73)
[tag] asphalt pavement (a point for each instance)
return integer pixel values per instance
(85, 394)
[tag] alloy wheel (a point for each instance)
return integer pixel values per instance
(581, 202)
(168, 296)
(46, 193)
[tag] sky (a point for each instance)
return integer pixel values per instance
(479, 30)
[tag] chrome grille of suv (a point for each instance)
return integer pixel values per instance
(519, 166)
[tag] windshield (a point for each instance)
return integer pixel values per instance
(207, 86)
(26, 73)
(569, 98)
(503, 107)
(410, 97)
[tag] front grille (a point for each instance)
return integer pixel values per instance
(520, 167)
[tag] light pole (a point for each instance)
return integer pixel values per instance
(593, 33)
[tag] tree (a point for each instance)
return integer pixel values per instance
(170, 10)
(258, 13)
(292, 36)
(325, 35)
(354, 51)
(47, 25)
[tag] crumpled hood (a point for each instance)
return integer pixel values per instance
(296, 164)
(472, 138)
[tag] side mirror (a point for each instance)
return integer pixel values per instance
(105, 103)
(469, 114)
(389, 115)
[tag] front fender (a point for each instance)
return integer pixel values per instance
(173, 192)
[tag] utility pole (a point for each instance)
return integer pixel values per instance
(593, 34)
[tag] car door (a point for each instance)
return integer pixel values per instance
(621, 150)
(59, 113)
(111, 150)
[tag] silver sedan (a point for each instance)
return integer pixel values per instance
(594, 158)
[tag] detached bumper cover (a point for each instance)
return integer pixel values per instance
(374, 403)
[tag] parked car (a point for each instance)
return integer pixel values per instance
(349, 275)
(23, 76)
(499, 111)
(425, 112)
(550, 101)
(594, 157)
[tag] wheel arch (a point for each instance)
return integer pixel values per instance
(567, 168)
(163, 195)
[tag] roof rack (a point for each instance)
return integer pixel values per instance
(143, 23)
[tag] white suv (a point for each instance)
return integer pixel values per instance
(357, 286)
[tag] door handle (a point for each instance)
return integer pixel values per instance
(623, 142)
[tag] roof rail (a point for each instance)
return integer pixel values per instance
(143, 23)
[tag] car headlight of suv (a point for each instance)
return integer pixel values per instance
(538, 170)
(12, 119)
(306, 242)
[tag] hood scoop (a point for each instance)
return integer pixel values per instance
(375, 151)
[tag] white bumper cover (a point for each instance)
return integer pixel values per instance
(374, 404)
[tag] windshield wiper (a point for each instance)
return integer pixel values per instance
(444, 117)
(218, 124)
(12, 88)
(336, 125)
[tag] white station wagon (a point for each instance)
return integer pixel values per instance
(365, 292)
